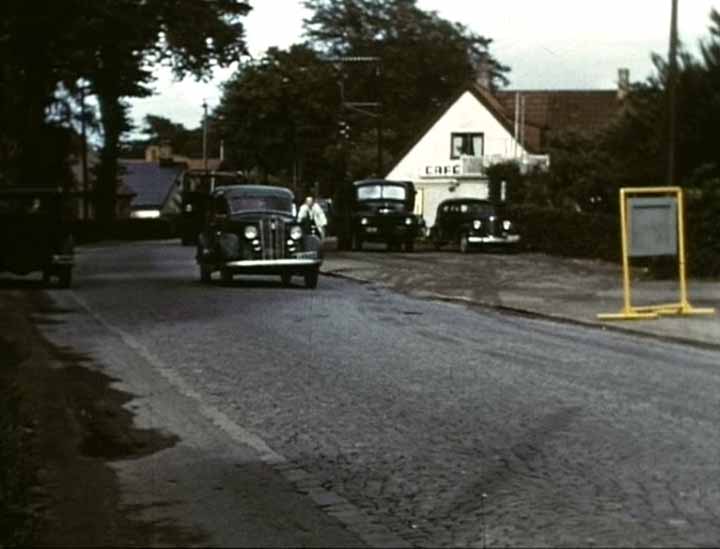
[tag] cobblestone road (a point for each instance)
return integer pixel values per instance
(449, 427)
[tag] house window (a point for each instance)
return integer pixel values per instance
(466, 144)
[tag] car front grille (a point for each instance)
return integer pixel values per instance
(272, 238)
(493, 226)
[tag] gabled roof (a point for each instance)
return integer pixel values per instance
(485, 98)
(545, 111)
(150, 183)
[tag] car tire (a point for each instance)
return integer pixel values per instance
(464, 244)
(356, 243)
(46, 277)
(409, 246)
(205, 274)
(65, 277)
(311, 279)
(226, 276)
(286, 279)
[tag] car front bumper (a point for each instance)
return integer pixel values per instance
(304, 262)
(509, 239)
(254, 263)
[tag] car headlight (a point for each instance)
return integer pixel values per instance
(188, 208)
(506, 225)
(364, 221)
(296, 232)
(477, 224)
(251, 232)
(408, 221)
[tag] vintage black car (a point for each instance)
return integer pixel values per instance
(377, 210)
(472, 223)
(35, 233)
(251, 229)
(196, 187)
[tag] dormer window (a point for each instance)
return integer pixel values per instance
(466, 144)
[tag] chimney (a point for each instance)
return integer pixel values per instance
(623, 83)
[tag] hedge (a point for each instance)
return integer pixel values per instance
(597, 236)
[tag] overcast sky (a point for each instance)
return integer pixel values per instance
(553, 44)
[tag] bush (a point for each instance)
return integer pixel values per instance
(568, 233)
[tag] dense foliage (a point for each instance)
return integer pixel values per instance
(110, 47)
(282, 115)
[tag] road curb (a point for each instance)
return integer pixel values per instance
(517, 311)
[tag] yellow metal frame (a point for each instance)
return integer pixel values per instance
(683, 307)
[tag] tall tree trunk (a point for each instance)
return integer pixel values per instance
(113, 122)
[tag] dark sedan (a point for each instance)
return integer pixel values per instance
(251, 229)
(472, 223)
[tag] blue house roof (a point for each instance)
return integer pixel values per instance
(152, 184)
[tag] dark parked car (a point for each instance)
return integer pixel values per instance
(377, 210)
(197, 185)
(35, 233)
(251, 229)
(472, 223)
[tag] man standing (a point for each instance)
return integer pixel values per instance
(311, 212)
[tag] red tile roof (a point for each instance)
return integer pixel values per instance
(547, 111)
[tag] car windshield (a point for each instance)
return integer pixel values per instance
(478, 208)
(245, 202)
(381, 192)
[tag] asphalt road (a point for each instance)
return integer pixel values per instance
(352, 414)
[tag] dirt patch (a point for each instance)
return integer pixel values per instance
(61, 424)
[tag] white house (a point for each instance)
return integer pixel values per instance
(479, 129)
(450, 158)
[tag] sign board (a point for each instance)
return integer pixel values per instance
(653, 226)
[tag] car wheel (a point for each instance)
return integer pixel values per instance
(311, 279)
(286, 279)
(464, 244)
(226, 276)
(205, 274)
(356, 243)
(65, 277)
(410, 246)
(46, 277)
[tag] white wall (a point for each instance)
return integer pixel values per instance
(467, 114)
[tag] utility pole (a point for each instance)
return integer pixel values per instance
(83, 133)
(672, 93)
(204, 144)
(378, 76)
(361, 106)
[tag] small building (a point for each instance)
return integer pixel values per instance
(479, 129)
(151, 185)
(155, 181)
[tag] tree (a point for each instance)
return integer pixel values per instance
(425, 58)
(126, 35)
(278, 116)
(112, 44)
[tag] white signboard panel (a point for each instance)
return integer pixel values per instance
(653, 229)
